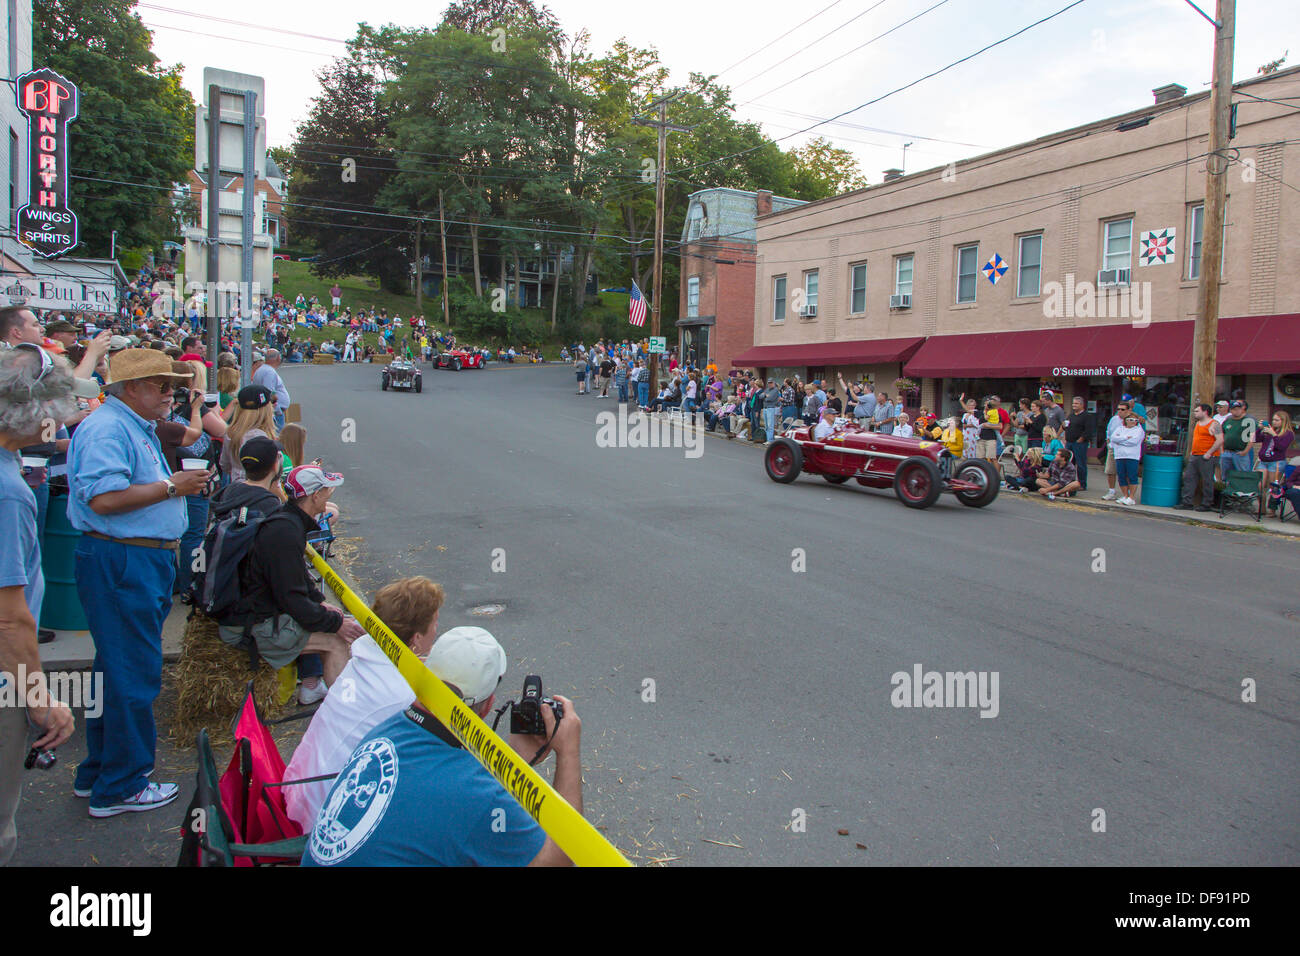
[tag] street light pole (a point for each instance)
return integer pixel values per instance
(1205, 342)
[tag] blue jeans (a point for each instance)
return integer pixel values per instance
(1079, 452)
(622, 392)
(127, 632)
(197, 505)
(279, 419)
(643, 393)
(1236, 461)
(769, 421)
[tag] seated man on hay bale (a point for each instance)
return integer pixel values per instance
(280, 609)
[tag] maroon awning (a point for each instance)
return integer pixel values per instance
(1248, 345)
(865, 352)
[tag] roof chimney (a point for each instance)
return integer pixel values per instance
(763, 202)
(1172, 91)
(892, 174)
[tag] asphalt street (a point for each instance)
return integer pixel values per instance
(1119, 690)
(736, 693)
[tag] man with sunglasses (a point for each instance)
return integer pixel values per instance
(131, 512)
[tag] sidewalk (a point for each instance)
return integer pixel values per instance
(1097, 487)
(74, 650)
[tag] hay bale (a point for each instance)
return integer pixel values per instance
(211, 680)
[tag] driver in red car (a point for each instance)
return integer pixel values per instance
(826, 427)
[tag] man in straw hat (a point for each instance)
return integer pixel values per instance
(131, 513)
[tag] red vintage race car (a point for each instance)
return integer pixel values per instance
(457, 359)
(911, 466)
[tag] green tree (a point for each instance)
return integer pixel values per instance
(135, 124)
(821, 170)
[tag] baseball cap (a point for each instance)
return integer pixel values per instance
(1237, 404)
(259, 453)
(259, 356)
(60, 325)
(254, 397)
(1222, 401)
(470, 659)
(118, 342)
(308, 479)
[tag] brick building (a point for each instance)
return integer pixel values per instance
(717, 271)
(1072, 261)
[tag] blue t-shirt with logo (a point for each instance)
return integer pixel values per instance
(407, 798)
(20, 546)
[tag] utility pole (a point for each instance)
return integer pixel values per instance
(419, 270)
(212, 313)
(663, 126)
(1205, 342)
(249, 309)
(442, 228)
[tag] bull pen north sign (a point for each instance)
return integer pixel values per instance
(45, 224)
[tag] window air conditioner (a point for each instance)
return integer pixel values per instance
(809, 311)
(1113, 277)
(900, 301)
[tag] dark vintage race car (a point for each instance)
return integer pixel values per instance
(911, 466)
(401, 374)
(457, 359)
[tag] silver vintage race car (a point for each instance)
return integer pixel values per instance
(401, 374)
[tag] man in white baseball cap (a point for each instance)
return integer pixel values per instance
(444, 808)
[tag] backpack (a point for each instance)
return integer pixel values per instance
(225, 546)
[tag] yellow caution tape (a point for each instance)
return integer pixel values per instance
(582, 842)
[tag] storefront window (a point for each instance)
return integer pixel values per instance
(1009, 390)
(1167, 401)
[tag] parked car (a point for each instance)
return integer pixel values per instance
(456, 359)
(911, 466)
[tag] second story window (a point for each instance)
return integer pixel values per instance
(810, 280)
(858, 303)
(1117, 245)
(778, 299)
(1030, 267)
(903, 275)
(967, 272)
(693, 297)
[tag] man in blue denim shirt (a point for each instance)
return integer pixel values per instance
(131, 513)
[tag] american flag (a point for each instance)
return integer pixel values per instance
(636, 306)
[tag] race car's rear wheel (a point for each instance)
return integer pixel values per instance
(836, 479)
(783, 460)
(984, 476)
(419, 384)
(917, 483)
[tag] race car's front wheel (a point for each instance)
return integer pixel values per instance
(917, 482)
(419, 385)
(983, 477)
(783, 460)
(455, 364)
(383, 384)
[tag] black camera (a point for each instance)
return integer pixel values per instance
(40, 759)
(526, 713)
(181, 396)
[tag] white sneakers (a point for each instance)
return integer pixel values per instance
(1127, 501)
(153, 796)
(310, 695)
(1109, 496)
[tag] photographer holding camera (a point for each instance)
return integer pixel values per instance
(445, 808)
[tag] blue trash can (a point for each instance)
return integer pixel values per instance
(1162, 480)
(61, 610)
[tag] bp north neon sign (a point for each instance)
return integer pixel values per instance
(46, 224)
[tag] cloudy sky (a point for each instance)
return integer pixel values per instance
(792, 65)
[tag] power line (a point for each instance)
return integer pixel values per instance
(770, 68)
(885, 96)
(779, 39)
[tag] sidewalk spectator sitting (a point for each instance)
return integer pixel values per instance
(280, 610)
(739, 424)
(444, 807)
(293, 439)
(34, 388)
(1062, 478)
(1126, 442)
(260, 490)
(131, 512)
(376, 691)
(1030, 467)
(1052, 446)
